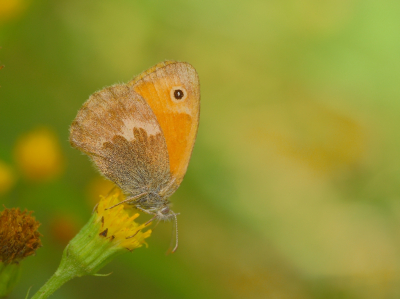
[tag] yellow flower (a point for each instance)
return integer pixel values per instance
(11, 9)
(118, 225)
(38, 155)
(7, 178)
(108, 233)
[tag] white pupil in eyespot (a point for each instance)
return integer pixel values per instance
(178, 94)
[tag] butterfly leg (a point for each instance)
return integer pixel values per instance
(165, 190)
(144, 210)
(155, 215)
(146, 224)
(129, 199)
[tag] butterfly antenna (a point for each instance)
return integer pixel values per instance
(174, 235)
(158, 221)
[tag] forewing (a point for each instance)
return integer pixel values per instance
(120, 133)
(178, 119)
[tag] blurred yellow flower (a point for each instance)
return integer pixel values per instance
(7, 178)
(118, 225)
(11, 9)
(38, 155)
(98, 186)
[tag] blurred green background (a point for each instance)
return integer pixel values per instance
(293, 190)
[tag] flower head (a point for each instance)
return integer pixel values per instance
(118, 225)
(19, 237)
(108, 233)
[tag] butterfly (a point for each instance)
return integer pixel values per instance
(140, 135)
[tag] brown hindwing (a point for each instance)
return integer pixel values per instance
(120, 133)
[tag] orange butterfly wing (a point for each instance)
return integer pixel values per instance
(178, 118)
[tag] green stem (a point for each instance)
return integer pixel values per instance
(85, 254)
(9, 276)
(56, 281)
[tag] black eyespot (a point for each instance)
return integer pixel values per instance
(178, 94)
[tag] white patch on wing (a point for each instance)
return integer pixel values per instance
(149, 126)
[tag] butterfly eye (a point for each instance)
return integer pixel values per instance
(178, 94)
